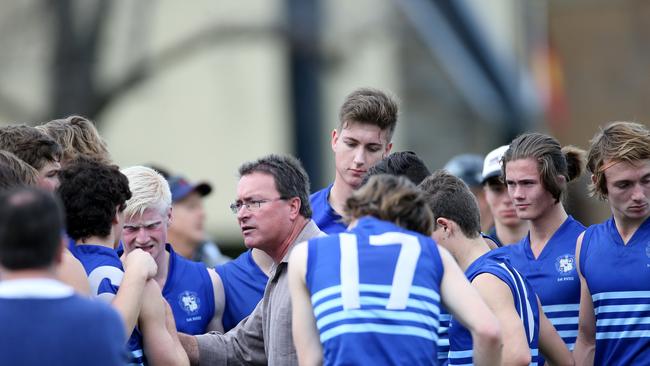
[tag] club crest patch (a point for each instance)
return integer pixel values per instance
(190, 302)
(565, 264)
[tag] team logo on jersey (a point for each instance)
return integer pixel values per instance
(565, 263)
(190, 302)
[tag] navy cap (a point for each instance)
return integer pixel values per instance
(468, 167)
(181, 187)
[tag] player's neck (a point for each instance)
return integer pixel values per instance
(340, 192)
(472, 249)
(543, 228)
(511, 234)
(108, 241)
(627, 227)
(163, 268)
(25, 274)
(182, 246)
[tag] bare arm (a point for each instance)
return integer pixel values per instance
(71, 272)
(498, 297)
(585, 347)
(551, 345)
(464, 303)
(139, 267)
(160, 342)
(219, 301)
(191, 347)
(305, 333)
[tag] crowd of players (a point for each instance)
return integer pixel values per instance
(388, 265)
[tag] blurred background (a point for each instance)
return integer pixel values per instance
(200, 87)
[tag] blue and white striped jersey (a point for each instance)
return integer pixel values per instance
(525, 301)
(375, 295)
(618, 276)
(554, 276)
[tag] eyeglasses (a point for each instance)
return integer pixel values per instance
(252, 205)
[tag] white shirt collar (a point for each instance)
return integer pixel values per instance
(39, 288)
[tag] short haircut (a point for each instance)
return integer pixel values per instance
(77, 136)
(31, 226)
(16, 172)
(552, 160)
(449, 197)
(289, 176)
(391, 198)
(30, 145)
(149, 189)
(370, 106)
(617, 141)
(92, 193)
(402, 163)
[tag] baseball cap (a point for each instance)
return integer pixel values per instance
(181, 187)
(467, 167)
(492, 163)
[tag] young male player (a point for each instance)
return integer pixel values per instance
(367, 121)
(614, 256)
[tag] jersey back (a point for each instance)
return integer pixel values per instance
(554, 276)
(618, 277)
(525, 302)
(375, 295)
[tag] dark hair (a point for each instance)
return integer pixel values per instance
(449, 197)
(16, 172)
(618, 141)
(31, 225)
(552, 160)
(402, 163)
(92, 192)
(30, 145)
(290, 177)
(370, 106)
(391, 198)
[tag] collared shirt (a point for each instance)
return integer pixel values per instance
(265, 336)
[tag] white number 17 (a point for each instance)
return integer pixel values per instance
(402, 277)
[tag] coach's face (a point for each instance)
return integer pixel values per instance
(263, 216)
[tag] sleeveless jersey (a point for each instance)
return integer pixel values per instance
(554, 276)
(375, 295)
(189, 291)
(525, 301)
(618, 276)
(105, 273)
(244, 284)
(443, 336)
(327, 220)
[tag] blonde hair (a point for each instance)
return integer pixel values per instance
(391, 198)
(77, 136)
(149, 189)
(618, 141)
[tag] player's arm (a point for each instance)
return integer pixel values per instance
(139, 267)
(585, 347)
(71, 272)
(551, 345)
(305, 333)
(219, 301)
(160, 341)
(465, 303)
(498, 297)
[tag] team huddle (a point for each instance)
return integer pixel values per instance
(388, 265)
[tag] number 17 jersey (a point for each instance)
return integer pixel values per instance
(375, 293)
